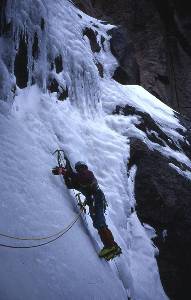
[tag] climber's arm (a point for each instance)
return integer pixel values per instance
(70, 179)
(68, 175)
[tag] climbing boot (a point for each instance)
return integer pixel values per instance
(113, 254)
(106, 251)
(108, 241)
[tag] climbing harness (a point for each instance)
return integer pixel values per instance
(80, 203)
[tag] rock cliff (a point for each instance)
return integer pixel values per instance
(159, 32)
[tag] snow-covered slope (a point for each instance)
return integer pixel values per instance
(34, 125)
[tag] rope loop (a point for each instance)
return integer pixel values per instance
(61, 233)
(62, 160)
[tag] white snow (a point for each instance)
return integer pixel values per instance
(136, 96)
(34, 202)
(38, 203)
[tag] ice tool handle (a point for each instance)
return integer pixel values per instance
(60, 157)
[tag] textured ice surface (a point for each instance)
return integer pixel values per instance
(33, 201)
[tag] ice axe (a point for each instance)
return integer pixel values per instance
(61, 161)
(60, 157)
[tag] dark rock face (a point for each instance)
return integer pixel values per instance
(35, 47)
(160, 34)
(21, 61)
(58, 64)
(55, 87)
(4, 25)
(92, 38)
(100, 68)
(164, 201)
(128, 71)
(85, 5)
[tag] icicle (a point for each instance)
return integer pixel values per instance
(30, 21)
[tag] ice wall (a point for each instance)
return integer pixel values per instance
(45, 43)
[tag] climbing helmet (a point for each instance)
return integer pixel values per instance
(80, 164)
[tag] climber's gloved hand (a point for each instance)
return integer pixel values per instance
(58, 171)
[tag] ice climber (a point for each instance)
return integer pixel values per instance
(85, 182)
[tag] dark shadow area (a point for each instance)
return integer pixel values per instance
(21, 62)
(92, 38)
